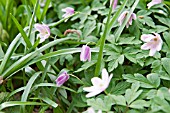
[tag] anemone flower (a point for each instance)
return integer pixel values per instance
(123, 16)
(44, 31)
(99, 85)
(153, 42)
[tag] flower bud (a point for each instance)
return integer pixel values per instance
(85, 53)
(63, 77)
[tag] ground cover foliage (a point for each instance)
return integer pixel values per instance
(93, 50)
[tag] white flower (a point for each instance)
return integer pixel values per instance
(153, 42)
(44, 31)
(153, 2)
(91, 110)
(99, 85)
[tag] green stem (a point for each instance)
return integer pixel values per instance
(103, 38)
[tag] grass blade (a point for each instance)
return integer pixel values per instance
(45, 10)
(26, 39)
(18, 103)
(27, 89)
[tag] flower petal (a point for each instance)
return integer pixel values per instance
(152, 52)
(96, 81)
(105, 76)
(122, 17)
(39, 27)
(95, 92)
(147, 37)
(146, 46)
(89, 89)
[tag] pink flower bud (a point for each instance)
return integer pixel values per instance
(123, 16)
(85, 53)
(114, 3)
(63, 77)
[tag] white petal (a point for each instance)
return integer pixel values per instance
(105, 75)
(159, 46)
(89, 89)
(95, 92)
(147, 37)
(90, 110)
(100, 111)
(96, 81)
(152, 52)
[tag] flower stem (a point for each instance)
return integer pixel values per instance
(103, 38)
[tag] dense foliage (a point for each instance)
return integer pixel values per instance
(53, 52)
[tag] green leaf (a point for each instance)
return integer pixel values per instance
(144, 82)
(154, 79)
(128, 40)
(114, 63)
(26, 39)
(86, 66)
(118, 100)
(119, 88)
(132, 94)
(166, 64)
(96, 5)
(139, 104)
(88, 28)
(101, 104)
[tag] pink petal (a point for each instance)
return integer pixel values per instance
(122, 17)
(147, 37)
(39, 27)
(146, 46)
(85, 53)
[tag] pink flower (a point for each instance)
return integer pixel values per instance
(99, 85)
(153, 2)
(44, 31)
(153, 42)
(114, 3)
(68, 12)
(85, 53)
(63, 77)
(123, 16)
